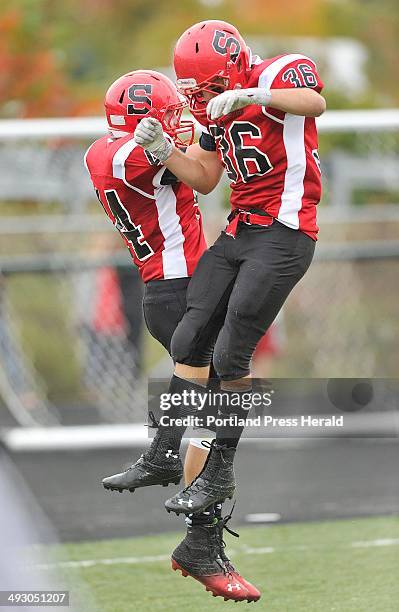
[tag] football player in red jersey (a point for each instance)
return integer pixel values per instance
(160, 222)
(258, 122)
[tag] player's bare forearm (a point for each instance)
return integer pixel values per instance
(300, 101)
(199, 169)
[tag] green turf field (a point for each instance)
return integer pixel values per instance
(345, 566)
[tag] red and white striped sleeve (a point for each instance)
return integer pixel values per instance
(289, 71)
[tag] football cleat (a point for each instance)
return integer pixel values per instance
(198, 556)
(160, 465)
(214, 484)
(253, 593)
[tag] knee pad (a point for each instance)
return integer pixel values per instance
(185, 346)
(228, 365)
(181, 344)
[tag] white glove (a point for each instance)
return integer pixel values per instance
(234, 99)
(149, 135)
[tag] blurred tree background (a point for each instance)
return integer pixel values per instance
(57, 58)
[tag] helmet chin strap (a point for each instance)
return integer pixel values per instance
(253, 59)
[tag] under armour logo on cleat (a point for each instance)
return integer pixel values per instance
(169, 453)
(232, 587)
(182, 501)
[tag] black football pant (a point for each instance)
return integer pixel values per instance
(235, 293)
(164, 304)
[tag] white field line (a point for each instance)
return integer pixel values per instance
(263, 517)
(95, 562)
(246, 550)
(382, 542)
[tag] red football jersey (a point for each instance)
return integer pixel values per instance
(157, 216)
(270, 156)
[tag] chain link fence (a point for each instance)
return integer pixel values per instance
(73, 347)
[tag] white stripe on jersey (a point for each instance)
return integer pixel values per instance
(269, 74)
(118, 166)
(276, 119)
(85, 159)
(173, 258)
(294, 142)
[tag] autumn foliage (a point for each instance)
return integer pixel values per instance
(31, 81)
(58, 58)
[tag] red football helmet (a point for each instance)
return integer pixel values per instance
(210, 56)
(147, 93)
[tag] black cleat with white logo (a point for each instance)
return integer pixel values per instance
(214, 484)
(160, 465)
